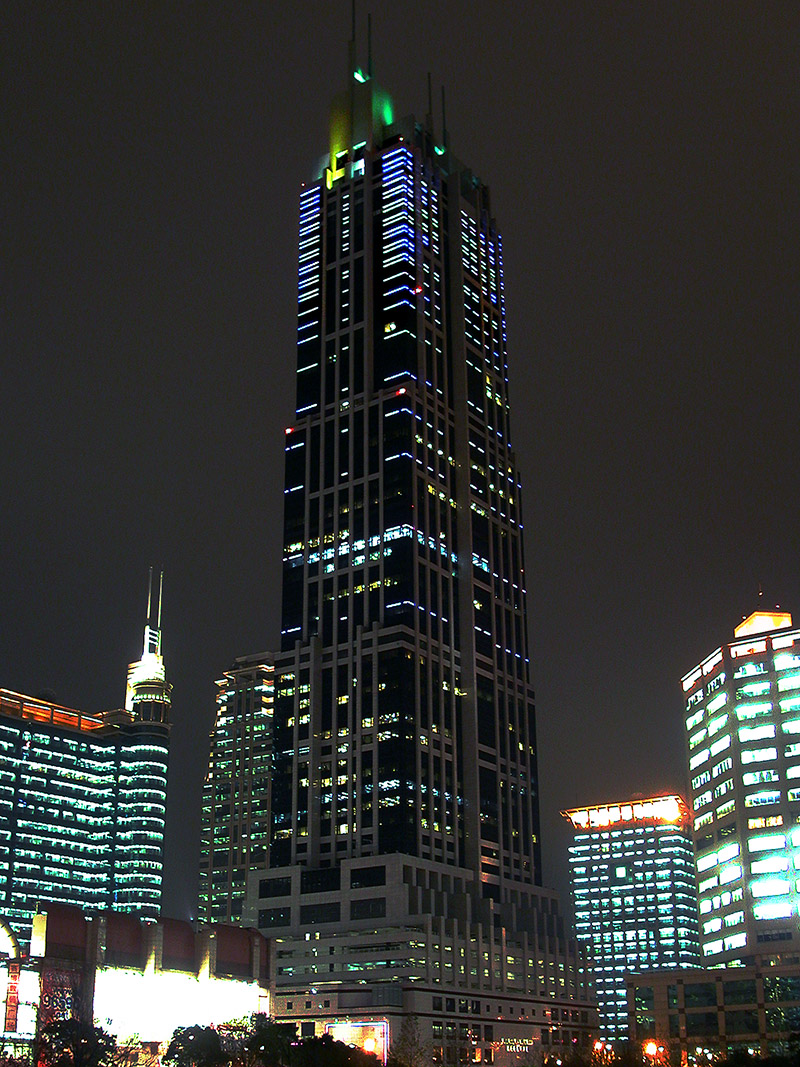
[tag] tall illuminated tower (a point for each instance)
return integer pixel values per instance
(632, 880)
(742, 717)
(405, 792)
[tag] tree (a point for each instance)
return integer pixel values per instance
(264, 1043)
(409, 1050)
(325, 1052)
(72, 1043)
(195, 1046)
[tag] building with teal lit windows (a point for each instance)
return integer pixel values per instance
(742, 717)
(83, 799)
(234, 832)
(633, 888)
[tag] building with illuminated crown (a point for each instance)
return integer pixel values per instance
(404, 872)
(742, 716)
(148, 695)
(633, 887)
(82, 805)
(234, 831)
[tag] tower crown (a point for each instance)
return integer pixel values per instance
(148, 694)
(761, 622)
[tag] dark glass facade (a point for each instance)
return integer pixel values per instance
(404, 847)
(404, 717)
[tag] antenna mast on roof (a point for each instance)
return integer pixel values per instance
(149, 593)
(351, 46)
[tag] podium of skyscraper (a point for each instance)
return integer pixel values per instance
(404, 871)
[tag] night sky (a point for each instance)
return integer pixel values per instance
(643, 161)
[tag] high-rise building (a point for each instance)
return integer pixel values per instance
(633, 887)
(235, 818)
(82, 806)
(742, 715)
(404, 856)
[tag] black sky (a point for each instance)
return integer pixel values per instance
(644, 164)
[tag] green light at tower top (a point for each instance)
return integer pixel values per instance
(359, 116)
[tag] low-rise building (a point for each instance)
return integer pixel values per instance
(703, 1014)
(136, 979)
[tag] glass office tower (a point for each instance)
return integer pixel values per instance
(633, 887)
(742, 717)
(235, 817)
(405, 826)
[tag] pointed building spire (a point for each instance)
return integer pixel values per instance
(148, 693)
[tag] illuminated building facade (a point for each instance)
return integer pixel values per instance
(82, 808)
(633, 887)
(404, 855)
(137, 979)
(235, 816)
(742, 715)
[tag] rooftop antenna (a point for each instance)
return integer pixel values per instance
(444, 121)
(429, 116)
(351, 44)
(369, 44)
(160, 594)
(149, 592)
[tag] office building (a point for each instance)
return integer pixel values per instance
(742, 715)
(633, 887)
(235, 818)
(82, 804)
(404, 855)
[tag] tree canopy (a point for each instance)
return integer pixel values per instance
(72, 1043)
(196, 1046)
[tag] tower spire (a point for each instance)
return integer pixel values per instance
(149, 593)
(369, 45)
(148, 692)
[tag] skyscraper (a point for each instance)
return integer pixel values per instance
(83, 802)
(633, 887)
(404, 854)
(742, 716)
(235, 818)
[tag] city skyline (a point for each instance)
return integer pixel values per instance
(642, 183)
